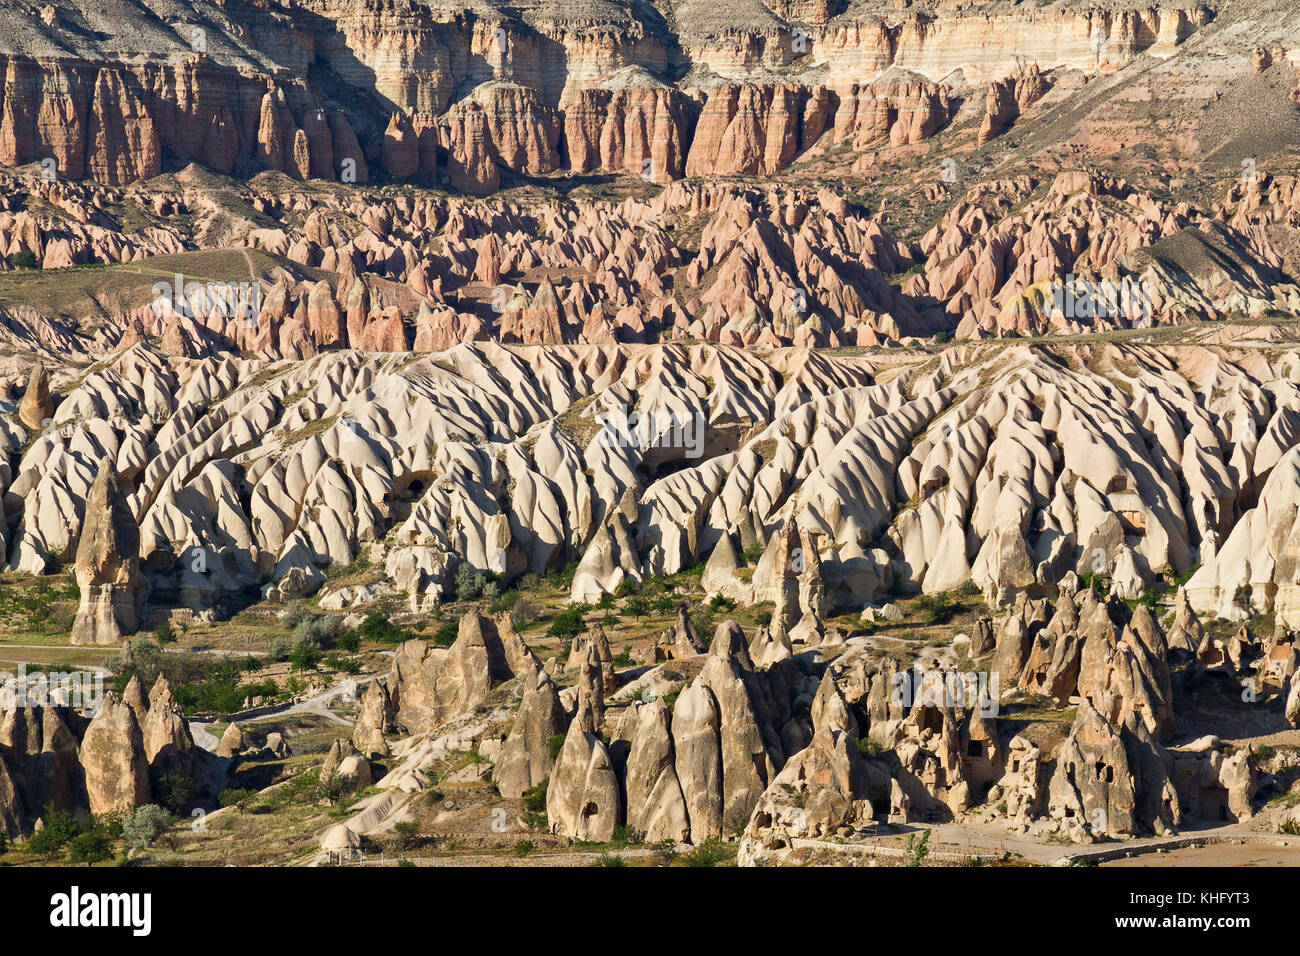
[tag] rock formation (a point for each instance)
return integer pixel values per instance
(36, 407)
(108, 563)
(583, 800)
(430, 685)
(525, 759)
(114, 760)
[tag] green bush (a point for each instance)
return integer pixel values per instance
(296, 615)
(555, 745)
(175, 790)
(869, 748)
(321, 631)
(235, 797)
(703, 619)
(917, 851)
(23, 259)
(377, 627)
(562, 578)
(331, 788)
(506, 602)
(406, 834)
(344, 665)
(937, 607)
(445, 636)
(535, 797)
(59, 830)
(305, 656)
(628, 836)
(720, 602)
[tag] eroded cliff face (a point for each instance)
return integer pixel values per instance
(332, 89)
(987, 46)
(118, 123)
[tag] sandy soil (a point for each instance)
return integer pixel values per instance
(1224, 854)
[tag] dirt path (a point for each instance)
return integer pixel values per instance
(954, 837)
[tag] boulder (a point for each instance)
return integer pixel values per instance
(232, 741)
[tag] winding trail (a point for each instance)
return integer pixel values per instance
(317, 706)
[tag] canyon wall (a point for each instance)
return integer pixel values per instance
(460, 96)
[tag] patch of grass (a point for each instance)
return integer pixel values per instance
(709, 853)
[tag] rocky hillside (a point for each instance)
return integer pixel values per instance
(1001, 467)
(1066, 489)
(819, 175)
(628, 422)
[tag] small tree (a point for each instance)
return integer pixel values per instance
(89, 848)
(59, 830)
(917, 852)
(145, 826)
(469, 583)
(569, 623)
(306, 654)
(174, 789)
(377, 627)
(406, 834)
